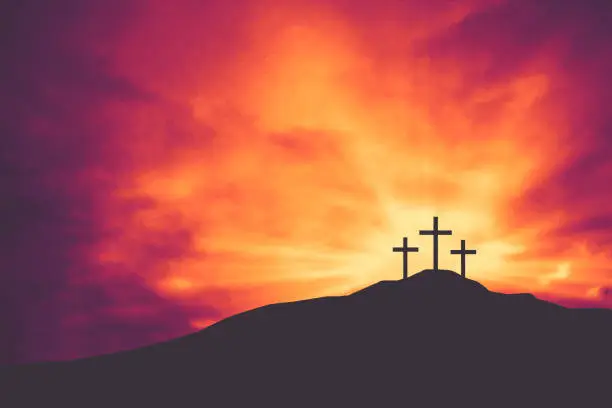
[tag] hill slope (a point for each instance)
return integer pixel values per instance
(432, 339)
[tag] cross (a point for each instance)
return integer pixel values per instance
(405, 249)
(463, 252)
(435, 232)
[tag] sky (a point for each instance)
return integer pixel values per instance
(164, 165)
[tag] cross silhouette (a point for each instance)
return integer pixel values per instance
(405, 249)
(463, 252)
(435, 232)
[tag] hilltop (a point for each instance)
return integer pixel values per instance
(435, 338)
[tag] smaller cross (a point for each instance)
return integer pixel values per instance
(463, 252)
(405, 249)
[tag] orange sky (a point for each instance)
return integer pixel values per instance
(267, 151)
(330, 141)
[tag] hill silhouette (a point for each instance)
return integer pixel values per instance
(433, 339)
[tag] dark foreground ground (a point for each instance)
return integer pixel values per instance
(434, 339)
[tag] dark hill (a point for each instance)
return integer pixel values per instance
(434, 339)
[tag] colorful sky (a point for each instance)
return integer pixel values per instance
(164, 165)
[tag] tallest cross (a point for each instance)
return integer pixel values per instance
(435, 232)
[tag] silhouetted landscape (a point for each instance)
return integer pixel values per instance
(167, 164)
(434, 338)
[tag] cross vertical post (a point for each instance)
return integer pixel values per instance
(405, 249)
(463, 252)
(435, 232)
